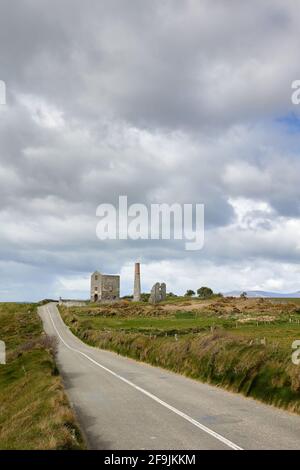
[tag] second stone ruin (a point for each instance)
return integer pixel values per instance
(158, 293)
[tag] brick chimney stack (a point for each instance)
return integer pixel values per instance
(137, 283)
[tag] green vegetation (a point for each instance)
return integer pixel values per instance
(189, 293)
(34, 411)
(145, 297)
(241, 344)
(205, 292)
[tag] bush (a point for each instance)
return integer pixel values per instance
(145, 297)
(205, 292)
(189, 293)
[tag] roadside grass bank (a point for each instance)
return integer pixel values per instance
(34, 411)
(243, 346)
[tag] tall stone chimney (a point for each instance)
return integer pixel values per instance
(137, 283)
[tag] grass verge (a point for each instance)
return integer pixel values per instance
(34, 410)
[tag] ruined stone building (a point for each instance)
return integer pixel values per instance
(104, 287)
(158, 293)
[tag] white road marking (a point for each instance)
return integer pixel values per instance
(209, 431)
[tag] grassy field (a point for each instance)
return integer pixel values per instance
(241, 344)
(34, 411)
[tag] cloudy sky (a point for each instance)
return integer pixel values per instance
(183, 101)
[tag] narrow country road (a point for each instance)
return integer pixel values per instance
(124, 404)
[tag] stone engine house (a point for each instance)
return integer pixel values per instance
(104, 287)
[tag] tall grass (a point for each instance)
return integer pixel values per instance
(34, 411)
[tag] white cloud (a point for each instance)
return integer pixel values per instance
(44, 114)
(164, 103)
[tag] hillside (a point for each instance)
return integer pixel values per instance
(32, 398)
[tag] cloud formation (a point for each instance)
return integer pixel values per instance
(162, 101)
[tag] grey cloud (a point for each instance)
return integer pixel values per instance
(162, 101)
(163, 64)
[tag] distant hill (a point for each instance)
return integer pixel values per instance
(262, 293)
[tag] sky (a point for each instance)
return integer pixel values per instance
(168, 101)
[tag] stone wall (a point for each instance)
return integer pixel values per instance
(110, 288)
(73, 303)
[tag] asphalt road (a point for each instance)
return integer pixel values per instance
(124, 404)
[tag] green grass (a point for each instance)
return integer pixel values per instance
(181, 322)
(281, 334)
(245, 346)
(34, 411)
